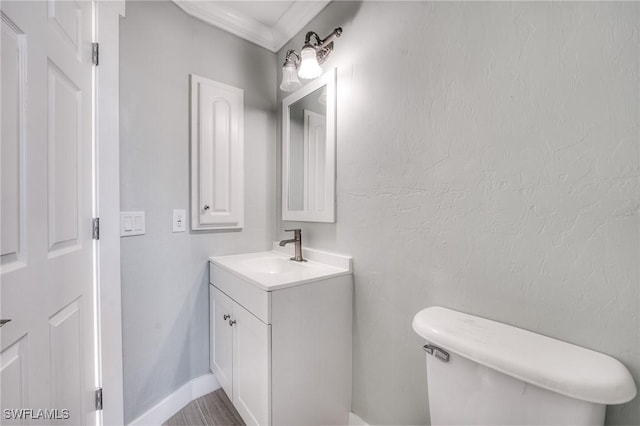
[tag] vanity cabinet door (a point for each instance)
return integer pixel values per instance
(252, 367)
(221, 338)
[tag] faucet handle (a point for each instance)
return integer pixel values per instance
(295, 231)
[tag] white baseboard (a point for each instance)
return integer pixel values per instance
(173, 403)
(355, 420)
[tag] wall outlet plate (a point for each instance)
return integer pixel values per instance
(179, 221)
(132, 223)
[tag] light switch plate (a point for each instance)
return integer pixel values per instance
(132, 223)
(179, 219)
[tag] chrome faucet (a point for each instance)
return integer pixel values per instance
(297, 239)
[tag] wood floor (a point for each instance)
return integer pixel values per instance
(213, 409)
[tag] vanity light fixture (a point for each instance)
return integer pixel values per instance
(307, 62)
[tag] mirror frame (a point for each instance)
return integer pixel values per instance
(329, 212)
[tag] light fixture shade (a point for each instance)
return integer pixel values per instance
(309, 67)
(290, 80)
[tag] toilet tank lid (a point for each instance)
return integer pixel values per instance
(542, 361)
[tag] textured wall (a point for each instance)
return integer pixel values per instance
(165, 305)
(488, 159)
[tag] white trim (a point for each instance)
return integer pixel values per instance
(117, 6)
(230, 21)
(175, 402)
(273, 38)
(298, 16)
(328, 214)
(108, 183)
(355, 420)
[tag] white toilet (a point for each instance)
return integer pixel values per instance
(482, 372)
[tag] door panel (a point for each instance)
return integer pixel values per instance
(47, 288)
(65, 347)
(221, 339)
(13, 378)
(66, 17)
(315, 147)
(13, 50)
(252, 367)
(64, 99)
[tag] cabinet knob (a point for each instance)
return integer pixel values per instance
(206, 207)
(231, 322)
(226, 317)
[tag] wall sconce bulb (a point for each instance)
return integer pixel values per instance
(314, 53)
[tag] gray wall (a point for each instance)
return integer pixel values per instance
(488, 162)
(164, 275)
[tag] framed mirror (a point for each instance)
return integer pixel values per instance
(308, 151)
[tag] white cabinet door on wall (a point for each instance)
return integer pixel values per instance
(217, 175)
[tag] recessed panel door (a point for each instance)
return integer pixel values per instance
(217, 170)
(47, 350)
(221, 361)
(251, 367)
(315, 158)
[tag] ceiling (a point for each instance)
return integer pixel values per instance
(269, 24)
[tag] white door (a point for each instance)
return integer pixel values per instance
(47, 351)
(251, 367)
(221, 339)
(315, 147)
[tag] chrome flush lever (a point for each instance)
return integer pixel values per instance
(439, 353)
(4, 321)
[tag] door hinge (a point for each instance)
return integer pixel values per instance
(95, 53)
(95, 233)
(99, 399)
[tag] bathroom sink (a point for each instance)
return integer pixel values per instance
(272, 270)
(269, 264)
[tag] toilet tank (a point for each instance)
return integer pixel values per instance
(482, 372)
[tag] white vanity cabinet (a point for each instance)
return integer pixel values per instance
(240, 356)
(282, 351)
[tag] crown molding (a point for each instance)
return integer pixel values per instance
(271, 38)
(295, 19)
(230, 21)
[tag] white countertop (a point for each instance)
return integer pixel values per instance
(273, 270)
